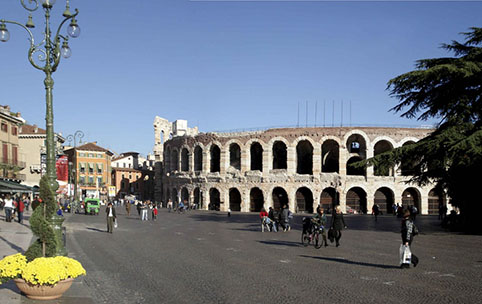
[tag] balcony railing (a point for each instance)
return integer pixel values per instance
(12, 162)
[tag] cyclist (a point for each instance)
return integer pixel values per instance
(319, 220)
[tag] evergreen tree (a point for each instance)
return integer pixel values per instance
(448, 89)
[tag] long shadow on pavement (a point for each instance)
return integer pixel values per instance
(12, 245)
(281, 243)
(95, 229)
(351, 262)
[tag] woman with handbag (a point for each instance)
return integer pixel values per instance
(337, 224)
(409, 230)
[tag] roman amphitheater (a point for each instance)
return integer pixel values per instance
(299, 167)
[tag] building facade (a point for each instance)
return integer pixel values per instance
(136, 182)
(298, 167)
(32, 145)
(91, 165)
(11, 162)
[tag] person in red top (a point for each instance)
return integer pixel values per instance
(20, 206)
(264, 219)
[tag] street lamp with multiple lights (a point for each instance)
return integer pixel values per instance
(49, 52)
(73, 137)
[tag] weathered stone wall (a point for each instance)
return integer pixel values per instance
(180, 181)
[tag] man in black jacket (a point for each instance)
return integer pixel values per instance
(111, 217)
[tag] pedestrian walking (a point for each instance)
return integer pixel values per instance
(35, 203)
(111, 217)
(285, 216)
(9, 207)
(229, 212)
(169, 205)
(273, 217)
(154, 212)
(128, 208)
(375, 211)
(139, 207)
(143, 208)
(320, 220)
(338, 223)
(20, 207)
(409, 230)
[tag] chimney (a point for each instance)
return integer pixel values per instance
(35, 129)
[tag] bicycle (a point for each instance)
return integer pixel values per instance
(311, 234)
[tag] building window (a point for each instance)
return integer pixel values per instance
(123, 176)
(91, 155)
(99, 168)
(99, 180)
(14, 131)
(91, 180)
(82, 180)
(4, 127)
(91, 168)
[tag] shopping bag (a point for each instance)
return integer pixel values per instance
(115, 223)
(405, 254)
(331, 235)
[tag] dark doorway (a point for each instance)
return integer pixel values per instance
(436, 199)
(304, 200)
(256, 156)
(329, 199)
(381, 147)
(280, 155)
(215, 158)
(184, 160)
(330, 156)
(198, 159)
(256, 200)
(384, 198)
(197, 197)
(234, 200)
(235, 156)
(304, 153)
(350, 170)
(280, 198)
(214, 199)
(356, 199)
(411, 197)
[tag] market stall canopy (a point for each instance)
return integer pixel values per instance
(13, 187)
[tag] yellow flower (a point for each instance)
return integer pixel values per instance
(12, 266)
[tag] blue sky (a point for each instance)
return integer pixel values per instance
(225, 65)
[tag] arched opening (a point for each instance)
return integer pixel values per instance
(356, 144)
(304, 200)
(329, 199)
(381, 147)
(174, 160)
(184, 160)
(215, 153)
(256, 152)
(304, 154)
(174, 197)
(235, 156)
(436, 200)
(280, 155)
(385, 198)
(280, 198)
(167, 160)
(411, 197)
(330, 151)
(197, 197)
(356, 199)
(185, 195)
(256, 200)
(407, 166)
(234, 199)
(198, 159)
(214, 199)
(350, 170)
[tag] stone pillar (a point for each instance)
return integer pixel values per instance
(267, 161)
(342, 159)
(317, 160)
(370, 169)
(224, 197)
(223, 162)
(370, 200)
(245, 159)
(206, 199)
(342, 199)
(245, 201)
(291, 200)
(206, 161)
(291, 157)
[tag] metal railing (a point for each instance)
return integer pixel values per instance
(12, 162)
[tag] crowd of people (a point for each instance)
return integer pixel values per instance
(15, 206)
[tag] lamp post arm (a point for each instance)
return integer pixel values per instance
(65, 20)
(56, 43)
(33, 48)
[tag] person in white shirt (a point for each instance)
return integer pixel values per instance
(9, 207)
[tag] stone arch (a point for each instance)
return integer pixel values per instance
(174, 159)
(214, 199)
(412, 197)
(329, 198)
(235, 156)
(356, 199)
(280, 198)
(350, 170)
(256, 199)
(198, 158)
(379, 147)
(436, 200)
(185, 159)
(256, 156)
(330, 156)
(356, 136)
(234, 199)
(304, 157)
(407, 139)
(215, 158)
(304, 200)
(384, 198)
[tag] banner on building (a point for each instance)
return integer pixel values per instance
(112, 191)
(62, 165)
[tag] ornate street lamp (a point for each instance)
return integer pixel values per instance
(49, 50)
(73, 137)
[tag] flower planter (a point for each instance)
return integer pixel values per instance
(43, 292)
